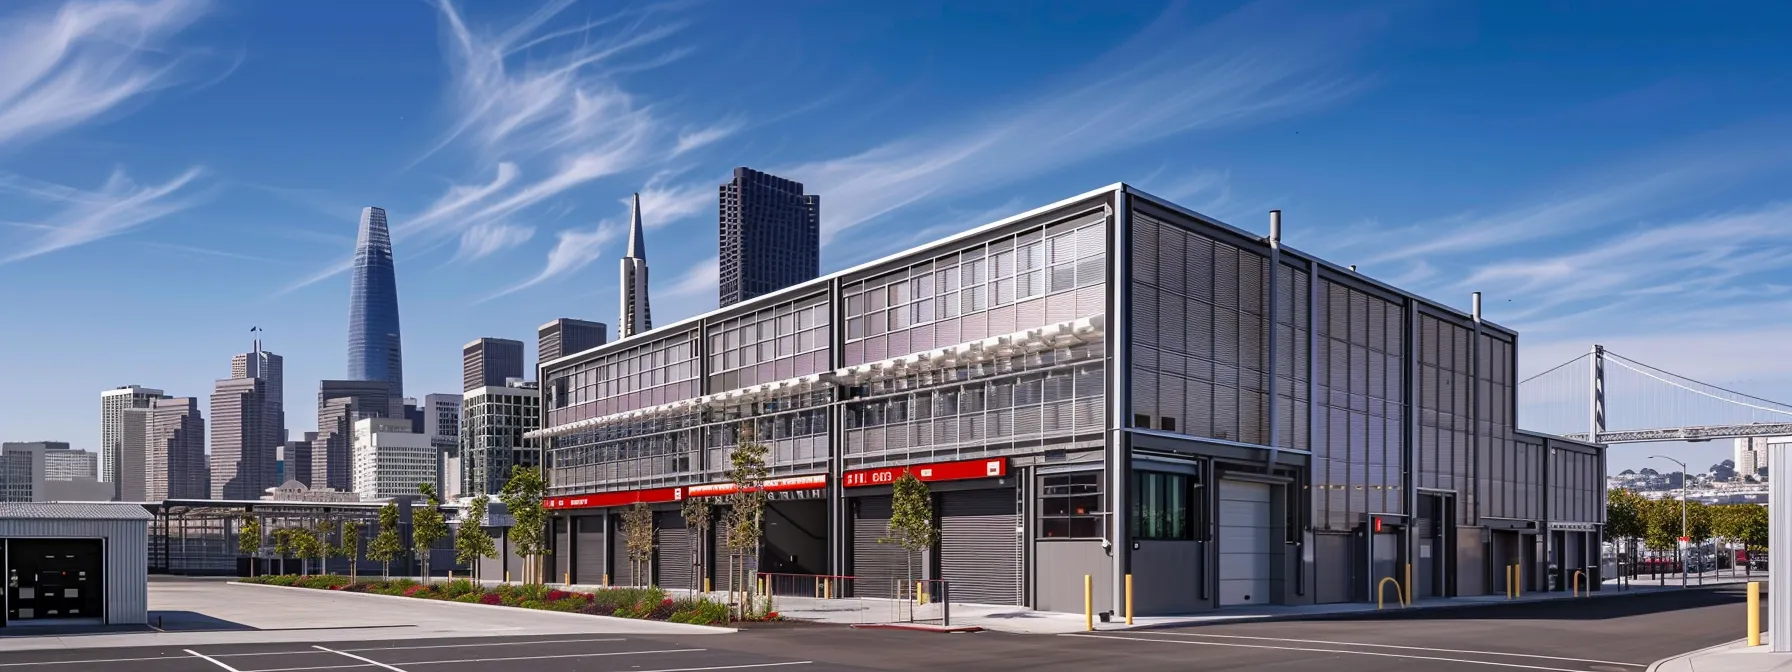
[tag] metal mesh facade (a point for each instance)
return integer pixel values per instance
(1359, 454)
(652, 372)
(1445, 423)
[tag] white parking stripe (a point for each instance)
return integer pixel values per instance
(473, 660)
(1314, 650)
(364, 660)
(208, 659)
(401, 648)
(1391, 646)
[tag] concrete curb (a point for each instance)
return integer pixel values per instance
(700, 629)
(1394, 613)
(1657, 665)
(916, 627)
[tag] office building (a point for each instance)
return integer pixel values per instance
(489, 362)
(296, 459)
(113, 403)
(1110, 385)
(494, 420)
(375, 351)
(1751, 454)
(49, 471)
(128, 484)
(566, 336)
(413, 413)
(770, 235)
(441, 422)
(637, 311)
(332, 447)
(390, 459)
(270, 369)
(175, 459)
(244, 439)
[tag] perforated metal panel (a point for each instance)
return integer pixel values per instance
(980, 552)
(622, 570)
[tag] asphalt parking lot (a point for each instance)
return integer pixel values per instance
(572, 654)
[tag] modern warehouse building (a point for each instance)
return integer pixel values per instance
(1108, 385)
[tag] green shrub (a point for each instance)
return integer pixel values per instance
(700, 612)
(569, 605)
(459, 587)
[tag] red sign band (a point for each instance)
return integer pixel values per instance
(662, 495)
(994, 467)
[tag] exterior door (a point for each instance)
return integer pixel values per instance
(1245, 533)
(980, 552)
(589, 550)
(54, 579)
(673, 558)
(878, 566)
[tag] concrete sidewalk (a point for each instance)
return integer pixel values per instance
(1728, 657)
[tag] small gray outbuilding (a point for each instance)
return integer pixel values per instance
(69, 563)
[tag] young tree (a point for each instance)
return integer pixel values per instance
(471, 541)
(386, 546)
(322, 548)
(697, 515)
(637, 538)
(1752, 529)
(349, 546)
(1624, 520)
(427, 526)
(303, 543)
(248, 540)
(522, 499)
(283, 545)
(747, 471)
(911, 519)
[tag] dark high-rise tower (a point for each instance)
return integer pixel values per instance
(490, 362)
(770, 235)
(374, 352)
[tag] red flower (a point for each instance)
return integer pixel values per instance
(413, 590)
(771, 615)
(491, 598)
(667, 602)
(557, 595)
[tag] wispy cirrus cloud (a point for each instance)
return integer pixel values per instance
(69, 66)
(487, 238)
(663, 203)
(573, 251)
(694, 138)
(1263, 62)
(541, 111)
(118, 206)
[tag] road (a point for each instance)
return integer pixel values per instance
(1614, 634)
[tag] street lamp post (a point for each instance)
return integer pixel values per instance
(1683, 554)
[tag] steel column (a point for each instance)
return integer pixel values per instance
(1119, 465)
(1779, 563)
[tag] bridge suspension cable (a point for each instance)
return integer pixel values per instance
(1638, 402)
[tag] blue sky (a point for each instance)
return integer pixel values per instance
(173, 172)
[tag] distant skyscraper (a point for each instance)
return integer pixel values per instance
(390, 460)
(45, 471)
(489, 362)
(637, 314)
(176, 456)
(133, 449)
(270, 368)
(441, 422)
(244, 440)
(298, 459)
(770, 235)
(493, 421)
(374, 351)
(339, 404)
(112, 404)
(566, 336)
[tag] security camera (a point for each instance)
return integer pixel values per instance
(1106, 545)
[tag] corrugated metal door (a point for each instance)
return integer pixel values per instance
(877, 566)
(513, 563)
(622, 570)
(562, 549)
(980, 553)
(589, 550)
(672, 554)
(1244, 527)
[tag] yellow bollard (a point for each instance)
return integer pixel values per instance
(1089, 602)
(1754, 613)
(1381, 593)
(705, 584)
(567, 579)
(1518, 580)
(827, 589)
(1408, 588)
(1574, 584)
(507, 576)
(1508, 582)
(1129, 599)
(606, 580)
(920, 592)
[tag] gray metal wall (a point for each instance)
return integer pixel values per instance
(1058, 575)
(126, 562)
(1166, 577)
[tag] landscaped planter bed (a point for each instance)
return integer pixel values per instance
(640, 603)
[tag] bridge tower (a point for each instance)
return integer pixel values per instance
(1596, 411)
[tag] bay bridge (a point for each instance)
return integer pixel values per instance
(1604, 397)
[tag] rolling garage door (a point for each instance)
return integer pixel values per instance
(672, 556)
(1245, 533)
(722, 558)
(980, 553)
(562, 549)
(877, 566)
(589, 550)
(622, 570)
